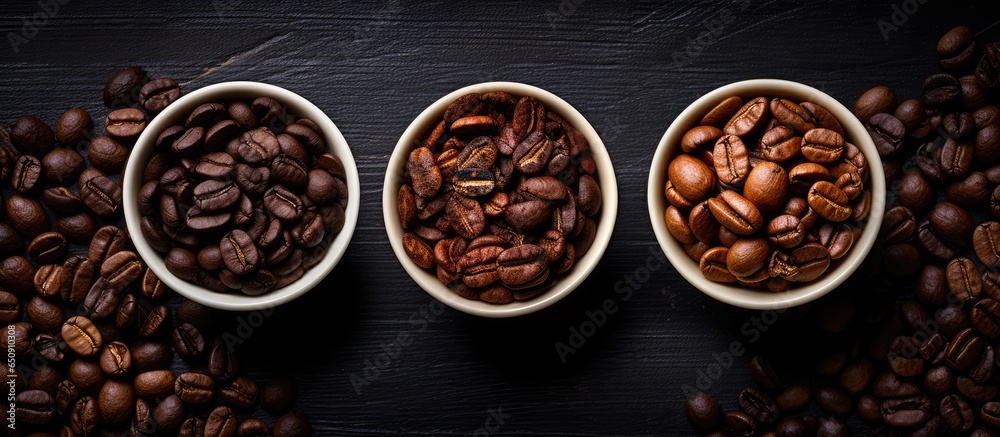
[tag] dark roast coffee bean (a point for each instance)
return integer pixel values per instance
(26, 174)
(27, 216)
(34, 407)
(102, 300)
(758, 405)
(61, 200)
(241, 393)
(223, 364)
(48, 248)
(31, 136)
(703, 411)
(292, 424)
(194, 388)
(100, 194)
(253, 428)
(156, 322)
(221, 422)
(941, 89)
(125, 124)
(149, 356)
(157, 94)
(888, 134)
(187, 341)
(169, 414)
(278, 395)
(985, 317)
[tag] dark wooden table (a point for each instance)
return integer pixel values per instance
(629, 67)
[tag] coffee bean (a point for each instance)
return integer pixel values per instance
(748, 118)
(833, 400)
(187, 341)
(741, 424)
(154, 384)
(239, 252)
(223, 364)
(241, 393)
(194, 388)
(82, 336)
(156, 322)
(731, 162)
(703, 411)
(985, 316)
(887, 132)
(691, 178)
(956, 48)
(149, 356)
(292, 424)
(27, 216)
(48, 248)
(157, 94)
(767, 187)
(758, 405)
(100, 194)
(116, 359)
(221, 422)
(907, 411)
(27, 173)
(169, 413)
(34, 407)
(125, 124)
(736, 213)
(876, 100)
(253, 428)
(31, 136)
(822, 145)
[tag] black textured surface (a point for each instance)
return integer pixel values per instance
(629, 67)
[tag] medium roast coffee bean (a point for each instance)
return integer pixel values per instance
(82, 336)
(125, 124)
(876, 100)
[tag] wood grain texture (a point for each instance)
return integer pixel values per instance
(628, 66)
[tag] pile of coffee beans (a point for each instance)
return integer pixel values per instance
(242, 196)
(767, 192)
(911, 346)
(94, 332)
(501, 197)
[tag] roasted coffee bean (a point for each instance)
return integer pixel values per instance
(122, 268)
(102, 299)
(758, 405)
(748, 118)
(239, 252)
(82, 336)
(822, 145)
(221, 422)
(952, 223)
(888, 134)
(194, 388)
(963, 279)
(898, 225)
(223, 364)
(941, 89)
(61, 200)
(45, 315)
(157, 94)
(151, 355)
(34, 407)
(731, 161)
(48, 248)
(187, 341)
(713, 265)
(116, 401)
(780, 144)
(876, 100)
(736, 213)
(747, 256)
(169, 414)
(116, 359)
(154, 384)
(964, 349)
(241, 393)
(741, 424)
(100, 194)
(27, 216)
(278, 395)
(253, 428)
(767, 187)
(156, 322)
(985, 317)
(834, 401)
(691, 178)
(125, 124)
(31, 136)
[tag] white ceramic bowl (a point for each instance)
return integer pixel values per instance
(566, 283)
(742, 296)
(175, 113)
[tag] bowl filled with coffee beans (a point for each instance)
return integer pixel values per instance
(766, 193)
(241, 195)
(499, 199)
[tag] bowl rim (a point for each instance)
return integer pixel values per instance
(412, 137)
(144, 149)
(742, 296)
